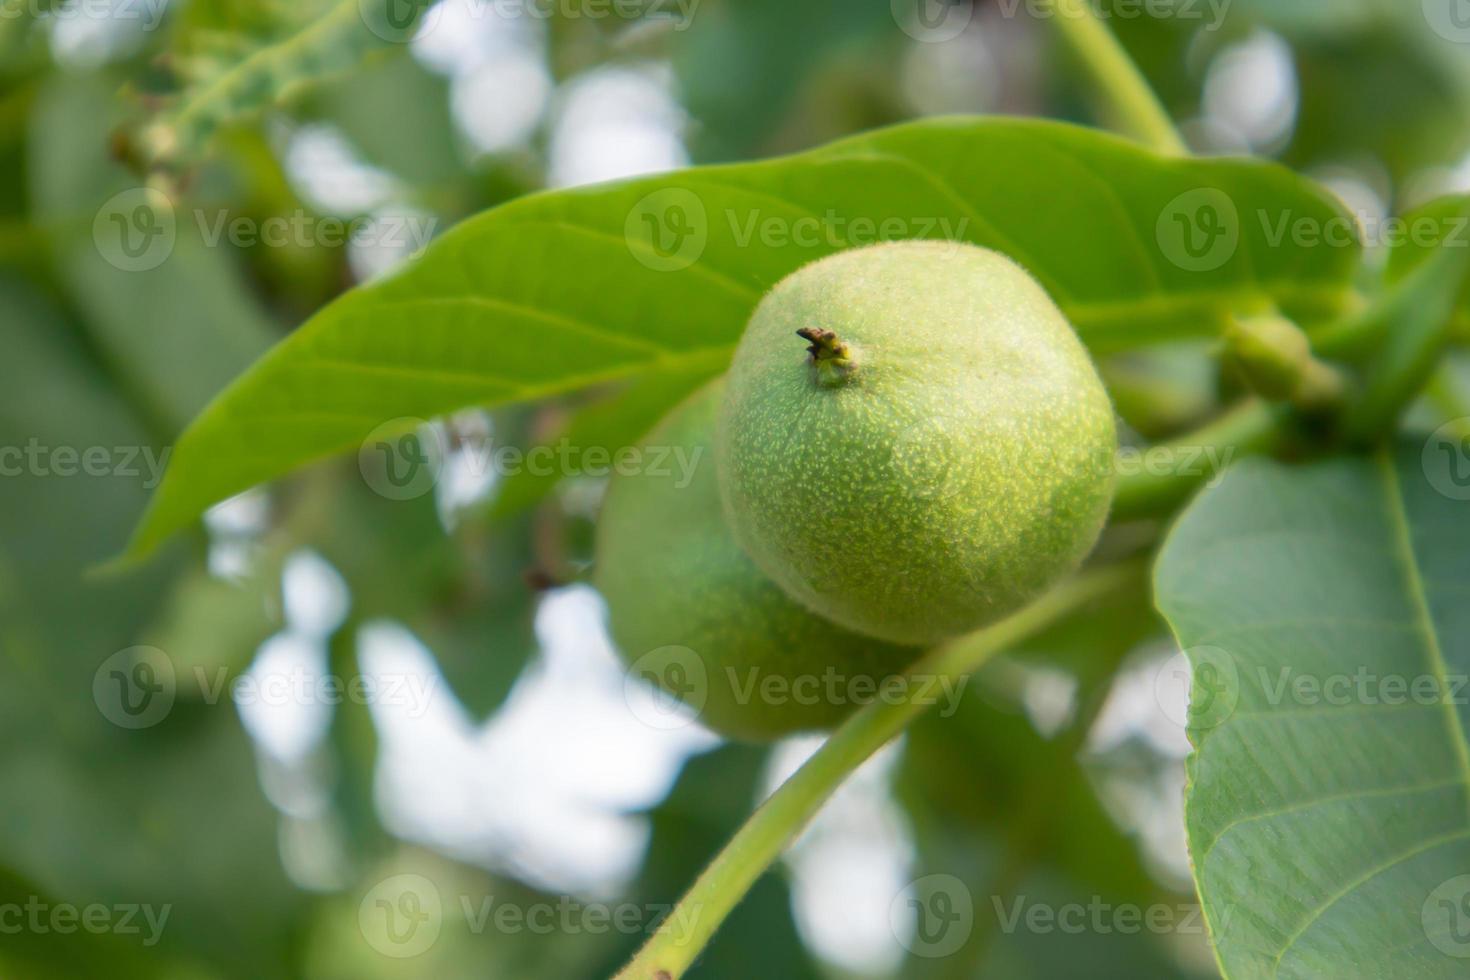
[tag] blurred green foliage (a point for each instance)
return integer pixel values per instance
(94, 356)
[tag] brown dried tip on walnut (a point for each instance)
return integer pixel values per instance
(831, 357)
(824, 344)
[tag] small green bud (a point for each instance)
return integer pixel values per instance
(1274, 357)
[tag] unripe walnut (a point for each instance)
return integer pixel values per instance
(913, 441)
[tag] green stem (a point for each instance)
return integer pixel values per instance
(336, 39)
(1136, 110)
(685, 933)
(1166, 473)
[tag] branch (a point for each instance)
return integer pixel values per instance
(678, 942)
(1133, 105)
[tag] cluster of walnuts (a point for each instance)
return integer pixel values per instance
(934, 457)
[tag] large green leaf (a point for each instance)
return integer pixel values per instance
(558, 291)
(1325, 612)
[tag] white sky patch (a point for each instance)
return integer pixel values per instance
(1251, 89)
(285, 697)
(499, 104)
(849, 864)
(469, 475)
(465, 34)
(1433, 182)
(1049, 697)
(616, 122)
(957, 75)
(1139, 705)
(279, 697)
(500, 85)
(329, 175)
(315, 595)
(545, 790)
(86, 34)
(1145, 709)
(1150, 806)
(299, 789)
(313, 854)
(235, 526)
(1363, 194)
(387, 238)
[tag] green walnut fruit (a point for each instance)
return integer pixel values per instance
(689, 610)
(913, 441)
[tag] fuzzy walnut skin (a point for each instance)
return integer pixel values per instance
(673, 576)
(953, 465)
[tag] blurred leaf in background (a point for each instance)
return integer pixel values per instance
(136, 776)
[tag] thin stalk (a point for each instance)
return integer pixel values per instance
(1166, 473)
(684, 934)
(1136, 111)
